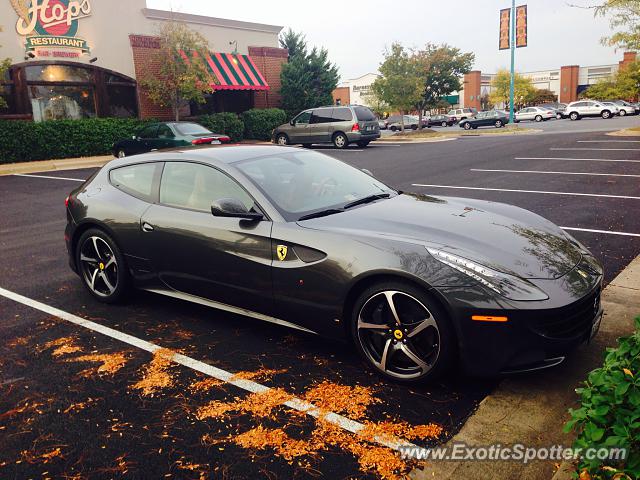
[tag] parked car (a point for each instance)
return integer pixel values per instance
(556, 107)
(459, 114)
(496, 118)
(338, 125)
(300, 239)
(626, 108)
(534, 114)
(382, 124)
(160, 136)
(587, 108)
(615, 108)
(439, 120)
(410, 121)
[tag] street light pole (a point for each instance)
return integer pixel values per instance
(513, 60)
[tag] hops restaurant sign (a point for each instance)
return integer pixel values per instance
(51, 26)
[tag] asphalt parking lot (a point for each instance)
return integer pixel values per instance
(78, 400)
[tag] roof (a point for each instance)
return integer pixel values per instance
(211, 21)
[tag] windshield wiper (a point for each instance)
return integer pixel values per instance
(367, 199)
(321, 213)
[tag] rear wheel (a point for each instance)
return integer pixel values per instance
(623, 113)
(574, 116)
(282, 139)
(467, 126)
(444, 124)
(499, 124)
(393, 128)
(402, 332)
(340, 140)
(363, 143)
(558, 116)
(605, 114)
(121, 153)
(538, 118)
(101, 266)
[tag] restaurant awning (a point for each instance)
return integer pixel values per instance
(232, 71)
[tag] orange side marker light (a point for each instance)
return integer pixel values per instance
(484, 318)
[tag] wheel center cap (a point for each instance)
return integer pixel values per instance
(101, 265)
(398, 334)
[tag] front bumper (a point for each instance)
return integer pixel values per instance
(536, 335)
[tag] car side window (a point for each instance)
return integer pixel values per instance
(165, 132)
(303, 118)
(136, 180)
(149, 132)
(341, 115)
(196, 187)
(321, 115)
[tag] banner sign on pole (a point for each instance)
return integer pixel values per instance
(505, 24)
(521, 26)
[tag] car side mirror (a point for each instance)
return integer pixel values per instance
(231, 207)
(292, 123)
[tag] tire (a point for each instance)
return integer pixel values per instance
(605, 114)
(282, 139)
(393, 129)
(363, 143)
(466, 126)
(623, 113)
(340, 140)
(443, 124)
(499, 124)
(574, 116)
(306, 145)
(102, 267)
(538, 118)
(414, 127)
(415, 357)
(120, 153)
(558, 116)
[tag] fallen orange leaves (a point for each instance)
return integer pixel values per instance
(111, 363)
(332, 397)
(156, 375)
(205, 385)
(285, 446)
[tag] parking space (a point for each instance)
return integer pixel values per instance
(168, 389)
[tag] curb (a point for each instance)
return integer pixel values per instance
(53, 165)
(626, 132)
(531, 409)
(410, 140)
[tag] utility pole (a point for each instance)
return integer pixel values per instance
(513, 60)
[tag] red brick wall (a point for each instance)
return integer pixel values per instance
(146, 62)
(269, 61)
(472, 87)
(569, 83)
(627, 58)
(343, 94)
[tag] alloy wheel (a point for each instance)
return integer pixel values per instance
(623, 113)
(121, 154)
(398, 334)
(340, 141)
(282, 140)
(99, 266)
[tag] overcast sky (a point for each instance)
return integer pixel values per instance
(357, 32)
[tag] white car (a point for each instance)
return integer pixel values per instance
(536, 114)
(587, 108)
(458, 114)
(625, 108)
(616, 109)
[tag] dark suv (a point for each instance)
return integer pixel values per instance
(338, 125)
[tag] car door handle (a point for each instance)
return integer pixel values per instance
(147, 227)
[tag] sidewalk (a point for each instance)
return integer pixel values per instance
(531, 409)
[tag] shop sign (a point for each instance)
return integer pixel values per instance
(51, 26)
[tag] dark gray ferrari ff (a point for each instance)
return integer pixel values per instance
(297, 238)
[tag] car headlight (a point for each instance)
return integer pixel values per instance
(509, 286)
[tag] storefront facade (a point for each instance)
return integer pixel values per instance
(82, 59)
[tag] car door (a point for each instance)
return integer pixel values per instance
(143, 141)
(320, 125)
(222, 259)
(165, 138)
(299, 132)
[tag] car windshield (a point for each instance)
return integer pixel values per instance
(191, 129)
(301, 182)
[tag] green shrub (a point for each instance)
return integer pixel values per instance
(260, 122)
(225, 122)
(22, 140)
(609, 415)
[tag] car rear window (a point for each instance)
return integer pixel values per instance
(191, 129)
(136, 180)
(364, 114)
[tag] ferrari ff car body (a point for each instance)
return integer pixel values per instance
(500, 288)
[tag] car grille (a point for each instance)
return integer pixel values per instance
(570, 321)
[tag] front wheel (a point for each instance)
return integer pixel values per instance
(101, 266)
(120, 153)
(538, 118)
(499, 124)
(623, 113)
(558, 116)
(340, 140)
(282, 139)
(605, 114)
(574, 116)
(393, 129)
(467, 126)
(402, 332)
(444, 124)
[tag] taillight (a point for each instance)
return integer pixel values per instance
(355, 128)
(201, 141)
(66, 201)
(224, 139)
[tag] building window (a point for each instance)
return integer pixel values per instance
(58, 73)
(60, 102)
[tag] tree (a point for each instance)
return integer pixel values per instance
(377, 105)
(542, 95)
(4, 67)
(179, 79)
(441, 68)
(500, 85)
(308, 78)
(401, 85)
(624, 14)
(624, 84)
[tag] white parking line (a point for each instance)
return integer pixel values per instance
(53, 178)
(577, 159)
(608, 141)
(555, 173)
(528, 191)
(222, 375)
(597, 149)
(591, 230)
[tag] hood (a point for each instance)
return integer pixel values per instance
(500, 236)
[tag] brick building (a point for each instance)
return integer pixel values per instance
(567, 82)
(83, 58)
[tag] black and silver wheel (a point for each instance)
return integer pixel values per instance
(574, 116)
(402, 332)
(605, 114)
(282, 139)
(499, 124)
(340, 140)
(467, 126)
(444, 124)
(101, 266)
(121, 153)
(623, 113)
(538, 118)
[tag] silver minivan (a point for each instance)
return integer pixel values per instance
(340, 125)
